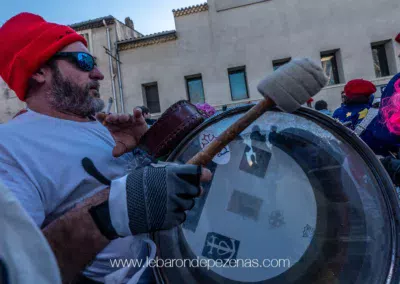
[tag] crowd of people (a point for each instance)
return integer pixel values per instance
(375, 120)
(64, 164)
(357, 98)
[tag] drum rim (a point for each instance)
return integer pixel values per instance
(382, 177)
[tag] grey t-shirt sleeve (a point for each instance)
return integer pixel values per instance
(24, 190)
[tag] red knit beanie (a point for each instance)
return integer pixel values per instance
(359, 87)
(27, 41)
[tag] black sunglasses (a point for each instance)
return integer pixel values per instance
(83, 60)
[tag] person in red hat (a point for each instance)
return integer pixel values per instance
(357, 98)
(309, 102)
(47, 157)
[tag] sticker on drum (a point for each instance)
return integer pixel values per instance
(206, 137)
(255, 158)
(245, 205)
(219, 247)
(255, 161)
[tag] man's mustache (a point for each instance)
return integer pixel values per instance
(94, 85)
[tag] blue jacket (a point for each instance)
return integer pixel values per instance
(377, 135)
(353, 113)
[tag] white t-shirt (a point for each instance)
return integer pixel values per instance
(19, 253)
(40, 162)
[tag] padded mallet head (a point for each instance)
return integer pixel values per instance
(293, 84)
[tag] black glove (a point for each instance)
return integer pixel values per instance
(155, 198)
(392, 166)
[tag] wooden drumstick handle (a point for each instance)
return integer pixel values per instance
(212, 149)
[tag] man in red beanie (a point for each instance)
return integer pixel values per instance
(357, 100)
(45, 154)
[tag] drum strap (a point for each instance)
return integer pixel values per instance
(360, 128)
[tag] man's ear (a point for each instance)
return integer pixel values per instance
(40, 75)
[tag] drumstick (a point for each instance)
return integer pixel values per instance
(288, 87)
(219, 143)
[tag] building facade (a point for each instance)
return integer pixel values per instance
(102, 35)
(221, 49)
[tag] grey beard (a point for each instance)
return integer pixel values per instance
(68, 97)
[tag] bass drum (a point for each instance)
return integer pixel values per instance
(296, 198)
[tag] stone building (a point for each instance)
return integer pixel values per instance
(102, 35)
(221, 49)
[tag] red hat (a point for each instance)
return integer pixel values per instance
(398, 38)
(27, 41)
(359, 87)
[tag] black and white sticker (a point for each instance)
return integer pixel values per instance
(224, 156)
(255, 160)
(219, 247)
(245, 205)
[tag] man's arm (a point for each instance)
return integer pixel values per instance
(75, 239)
(23, 188)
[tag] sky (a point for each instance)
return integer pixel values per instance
(149, 16)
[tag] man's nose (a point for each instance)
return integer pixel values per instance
(96, 74)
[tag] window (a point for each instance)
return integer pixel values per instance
(151, 97)
(238, 83)
(330, 66)
(194, 85)
(278, 63)
(379, 56)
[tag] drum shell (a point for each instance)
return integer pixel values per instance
(169, 130)
(172, 243)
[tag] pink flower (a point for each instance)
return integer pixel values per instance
(206, 109)
(391, 110)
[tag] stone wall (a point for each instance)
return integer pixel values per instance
(9, 103)
(210, 41)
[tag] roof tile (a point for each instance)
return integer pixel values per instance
(152, 39)
(190, 10)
